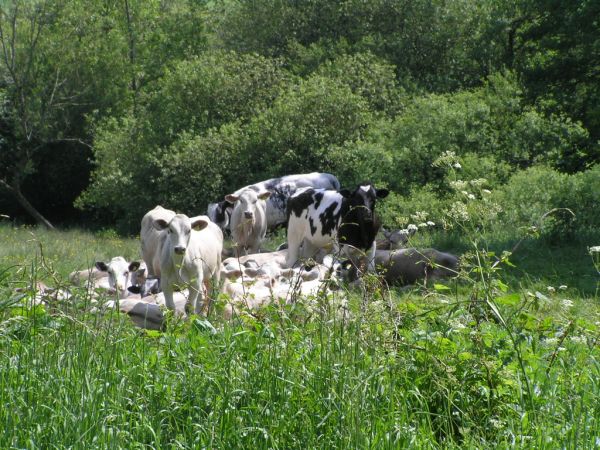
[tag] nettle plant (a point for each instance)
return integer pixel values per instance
(491, 343)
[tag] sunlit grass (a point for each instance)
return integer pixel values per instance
(421, 368)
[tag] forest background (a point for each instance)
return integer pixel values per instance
(111, 107)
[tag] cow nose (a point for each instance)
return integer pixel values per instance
(180, 250)
(248, 214)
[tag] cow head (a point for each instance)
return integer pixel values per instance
(362, 200)
(119, 272)
(246, 202)
(179, 230)
(360, 224)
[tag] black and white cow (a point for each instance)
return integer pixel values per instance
(281, 189)
(319, 219)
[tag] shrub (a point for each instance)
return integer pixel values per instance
(531, 193)
(211, 90)
(294, 135)
(368, 76)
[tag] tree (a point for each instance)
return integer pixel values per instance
(29, 96)
(557, 56)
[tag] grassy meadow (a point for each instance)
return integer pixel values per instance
(504, 356)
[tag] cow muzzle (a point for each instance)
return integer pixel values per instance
(180, 250)
(248, 214)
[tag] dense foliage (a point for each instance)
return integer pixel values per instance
(115, 107)
(481, 117)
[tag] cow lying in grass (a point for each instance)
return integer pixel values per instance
(410, 265)
(254, 281)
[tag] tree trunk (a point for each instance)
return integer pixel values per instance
(16, 191)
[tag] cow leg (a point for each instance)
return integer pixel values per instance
(309, 250)
(371, 258)
(196, 298)
(294, 240)
(168, 292)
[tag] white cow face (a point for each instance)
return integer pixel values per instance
(119, 272)
(247, 201)
(179, 230)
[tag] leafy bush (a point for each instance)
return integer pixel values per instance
(293, 136)
(532, 193)
(197, 170)
(211, 90)
(372, 78)
(489, 124)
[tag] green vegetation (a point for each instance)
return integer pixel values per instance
(481, 117)
(110, 109)
(506, 355)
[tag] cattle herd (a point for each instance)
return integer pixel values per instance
(331, 238)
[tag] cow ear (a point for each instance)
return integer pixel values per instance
(199, 224)
(231, 198)
(382, 193)
(160, 224)
(345, 193)
(101, 266)
(264, 195)
(134, 265)
(231, 274)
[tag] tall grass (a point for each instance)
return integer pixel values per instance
(485, 361)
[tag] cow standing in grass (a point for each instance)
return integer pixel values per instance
(248, 220)
(190, 255)
(319, 218)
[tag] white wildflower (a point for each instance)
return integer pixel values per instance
(422, 225)
(430, 223)
(471, 197)
(595, 249)
(486, 191)
(458, 212)
(551, 289)
(457, 165)
(478, 182)
(464, 193)
(458, 185)
(419, 216)
(412, 228)
(562, 287)
(566, 303)
(578, 339)
(404, 232)
(551, 341)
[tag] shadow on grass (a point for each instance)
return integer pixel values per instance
(538, 260)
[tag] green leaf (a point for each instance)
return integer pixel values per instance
(440, 287)
(509, 299)
(204, 325)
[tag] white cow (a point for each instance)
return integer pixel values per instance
(87, 276)
(190, 254)
(150, 238)
(256, 280)
(121, 275)
(248, 219)
(147, 312)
